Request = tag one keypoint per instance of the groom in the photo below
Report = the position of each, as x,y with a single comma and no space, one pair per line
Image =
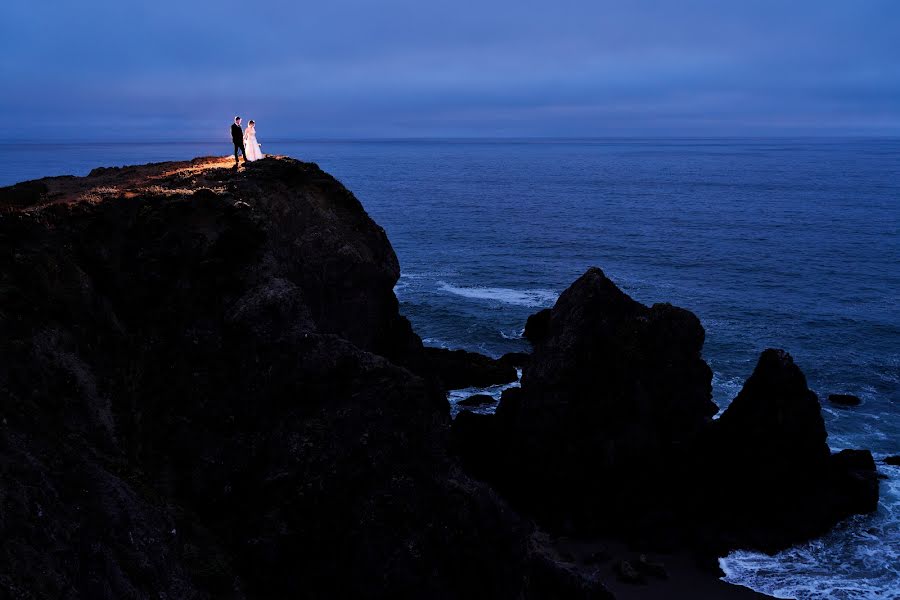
237,136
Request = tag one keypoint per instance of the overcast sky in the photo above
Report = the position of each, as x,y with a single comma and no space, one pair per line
124,69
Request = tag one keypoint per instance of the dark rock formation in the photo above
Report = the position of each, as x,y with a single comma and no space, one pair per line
844,399
458,369
22,195
596,557
611,432
771,443
537,326
651,568
626,573
618,364
515,359
610,395
477,400
775,419
893,460
205,395
552,579
208,392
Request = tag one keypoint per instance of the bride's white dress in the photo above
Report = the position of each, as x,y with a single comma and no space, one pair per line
251,145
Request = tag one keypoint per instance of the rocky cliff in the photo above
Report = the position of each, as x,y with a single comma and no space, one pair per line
208,392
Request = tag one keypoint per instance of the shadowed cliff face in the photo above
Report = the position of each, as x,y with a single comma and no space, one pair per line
202,397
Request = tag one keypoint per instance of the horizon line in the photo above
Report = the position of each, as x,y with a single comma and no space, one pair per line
402,139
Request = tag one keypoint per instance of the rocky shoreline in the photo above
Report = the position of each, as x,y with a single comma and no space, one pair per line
209,392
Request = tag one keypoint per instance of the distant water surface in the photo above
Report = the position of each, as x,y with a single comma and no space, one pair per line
771,242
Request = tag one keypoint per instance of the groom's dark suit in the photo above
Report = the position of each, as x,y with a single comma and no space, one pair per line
237,136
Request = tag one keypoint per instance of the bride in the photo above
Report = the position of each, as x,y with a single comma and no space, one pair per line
250,143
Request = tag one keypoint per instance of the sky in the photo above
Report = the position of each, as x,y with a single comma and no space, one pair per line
180,70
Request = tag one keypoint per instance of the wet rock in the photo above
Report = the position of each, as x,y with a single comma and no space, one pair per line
854,482
477,441
458,369
650,568
537,327
597,556
515,359
771,442
626,573
550,579
477,400
893,460
844,399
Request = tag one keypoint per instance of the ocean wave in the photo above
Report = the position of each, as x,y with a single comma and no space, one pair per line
428,274
858,560
494,391
725,389
532,298
515,334
413,283
437,343
399,287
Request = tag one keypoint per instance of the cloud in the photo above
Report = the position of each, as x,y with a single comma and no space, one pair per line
103,69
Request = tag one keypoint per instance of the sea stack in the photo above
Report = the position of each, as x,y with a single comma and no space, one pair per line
612,433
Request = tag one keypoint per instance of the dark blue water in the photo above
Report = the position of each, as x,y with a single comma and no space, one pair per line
771,242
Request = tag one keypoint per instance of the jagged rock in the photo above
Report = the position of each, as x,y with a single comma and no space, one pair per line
515,359
626,572
611,433
775,420
477,438
771,442
597,557
477,400
844,399
458,369
550,579
616,360
855,482
893,460
646,566
537,327
208,392
22,195
612,392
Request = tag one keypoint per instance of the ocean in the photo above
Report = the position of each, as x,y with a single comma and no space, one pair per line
787,243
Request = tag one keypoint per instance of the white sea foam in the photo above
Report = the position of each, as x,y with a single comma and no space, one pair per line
532,298
436,342
412,283
494,391
516,334
830,567
725,389
399,287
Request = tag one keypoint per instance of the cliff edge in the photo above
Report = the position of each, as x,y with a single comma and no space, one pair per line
207,393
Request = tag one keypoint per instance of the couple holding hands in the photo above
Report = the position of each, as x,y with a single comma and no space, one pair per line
245,141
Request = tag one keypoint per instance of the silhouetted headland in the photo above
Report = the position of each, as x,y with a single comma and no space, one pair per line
209,392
